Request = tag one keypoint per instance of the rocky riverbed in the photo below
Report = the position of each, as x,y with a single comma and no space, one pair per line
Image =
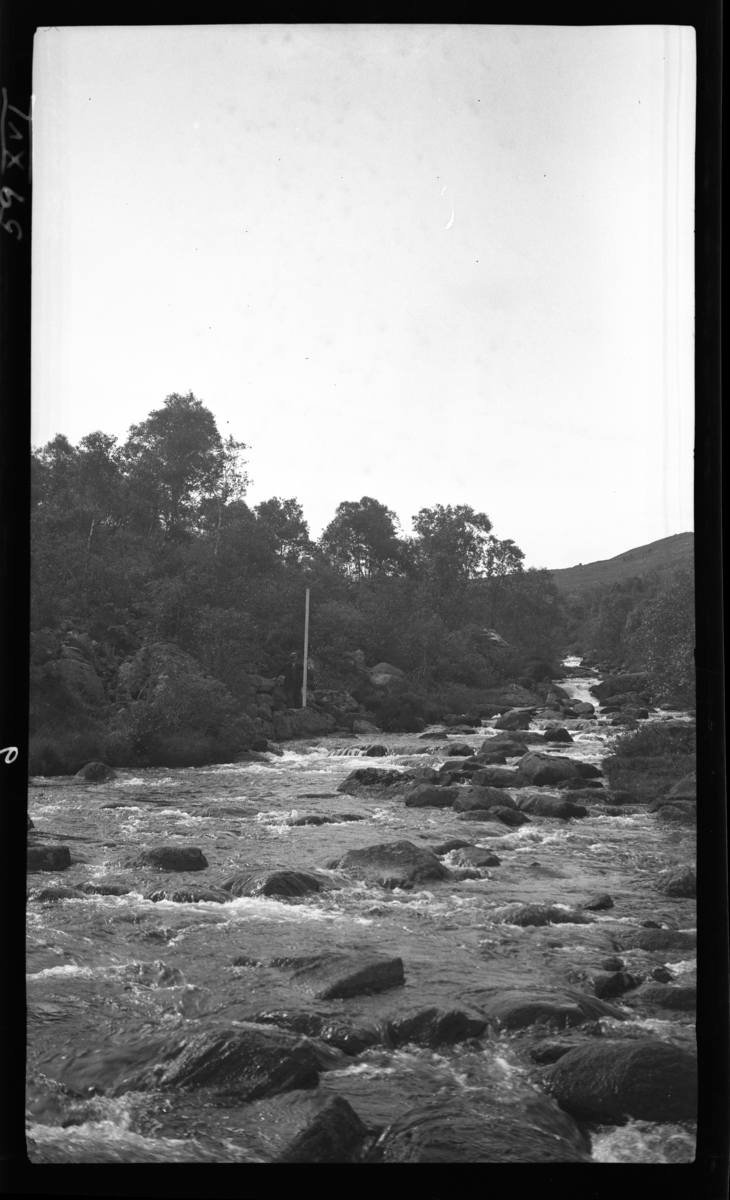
445,959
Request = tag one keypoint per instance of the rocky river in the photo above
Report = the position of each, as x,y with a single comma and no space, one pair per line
247,963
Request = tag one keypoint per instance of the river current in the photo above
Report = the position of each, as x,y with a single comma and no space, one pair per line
106,972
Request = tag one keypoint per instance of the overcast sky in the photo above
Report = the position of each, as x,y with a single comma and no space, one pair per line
428,264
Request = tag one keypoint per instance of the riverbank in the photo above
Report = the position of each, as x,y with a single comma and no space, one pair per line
527,943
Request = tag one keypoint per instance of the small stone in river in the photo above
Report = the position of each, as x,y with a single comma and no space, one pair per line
612,964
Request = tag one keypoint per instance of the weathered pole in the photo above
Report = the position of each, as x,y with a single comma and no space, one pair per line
306,650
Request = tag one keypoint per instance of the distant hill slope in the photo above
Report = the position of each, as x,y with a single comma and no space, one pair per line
668,554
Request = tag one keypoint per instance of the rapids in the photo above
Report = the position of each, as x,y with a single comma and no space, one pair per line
106,972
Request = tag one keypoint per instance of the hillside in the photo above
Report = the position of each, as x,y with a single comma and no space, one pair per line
668,554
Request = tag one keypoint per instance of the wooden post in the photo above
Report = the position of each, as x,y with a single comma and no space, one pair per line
306,650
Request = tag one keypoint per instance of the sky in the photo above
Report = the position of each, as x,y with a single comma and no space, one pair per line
439,264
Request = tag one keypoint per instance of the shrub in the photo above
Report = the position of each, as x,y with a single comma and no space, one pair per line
649,760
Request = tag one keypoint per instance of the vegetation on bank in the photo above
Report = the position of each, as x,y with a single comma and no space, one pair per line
649,760
151,543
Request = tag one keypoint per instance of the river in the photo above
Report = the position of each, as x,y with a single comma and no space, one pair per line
108,973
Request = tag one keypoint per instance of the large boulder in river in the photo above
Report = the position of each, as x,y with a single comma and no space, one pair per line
615,685
551,806
338,976
173,858
678,881
190,893
48,858
271,883
481,797
427,795
301,723
391,865
610,1080
541,769
368,781
244,1063
512,1008
518,718
454,1131
96,772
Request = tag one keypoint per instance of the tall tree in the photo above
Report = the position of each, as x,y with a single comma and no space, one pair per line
285,521
177,459
454,541
363,539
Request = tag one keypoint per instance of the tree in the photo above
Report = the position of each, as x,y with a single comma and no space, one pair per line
176,460
285,521
362,539
666,638
454,541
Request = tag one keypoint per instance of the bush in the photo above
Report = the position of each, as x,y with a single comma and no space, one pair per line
651,759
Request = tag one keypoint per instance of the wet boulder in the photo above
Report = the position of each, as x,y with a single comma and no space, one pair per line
480,797
511,1008
459,750
612,984
367,781
173,858
680,997
580,789
271,883
551,806
598,902
435,1027
310,1128
428,795
616,685
475,856
588,770
671,814
678,881
375,751
584,709
96,772
189,894
542,769
55,892
658,940
487,816
244,1063
518,718
538,914
48,858
350,1039
557,735
101,887
498,777
391,865
456,1132
338,976
510,816
612,1080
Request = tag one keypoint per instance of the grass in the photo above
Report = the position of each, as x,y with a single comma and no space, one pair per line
651,759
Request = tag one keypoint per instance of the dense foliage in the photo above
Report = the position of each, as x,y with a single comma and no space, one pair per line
645,622
156,534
